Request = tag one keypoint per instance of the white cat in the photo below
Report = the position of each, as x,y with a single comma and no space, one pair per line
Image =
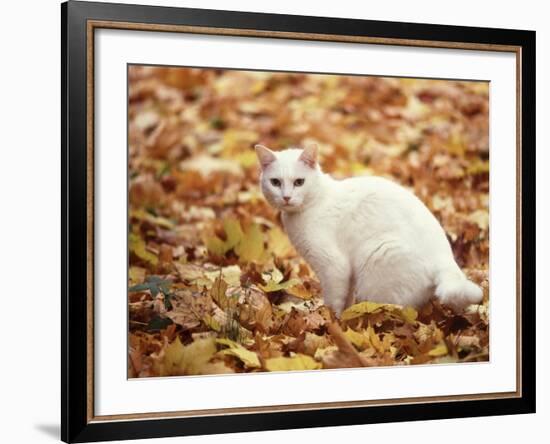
366,238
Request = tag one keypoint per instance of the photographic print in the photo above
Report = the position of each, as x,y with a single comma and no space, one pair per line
300,203
286,221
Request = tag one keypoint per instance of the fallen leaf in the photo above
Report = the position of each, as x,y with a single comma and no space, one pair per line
299,290
190,359
296,362
137,246
249,358
251,248
439,350
272,286
136,275
279,244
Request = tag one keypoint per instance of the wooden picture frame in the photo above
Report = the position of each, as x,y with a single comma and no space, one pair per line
80,20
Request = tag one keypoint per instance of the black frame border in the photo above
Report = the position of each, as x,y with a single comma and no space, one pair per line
75,424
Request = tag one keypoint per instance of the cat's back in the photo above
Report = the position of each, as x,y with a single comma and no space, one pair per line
369,185
374,192
381,205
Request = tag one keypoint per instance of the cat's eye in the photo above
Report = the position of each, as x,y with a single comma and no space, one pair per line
275,182
299,182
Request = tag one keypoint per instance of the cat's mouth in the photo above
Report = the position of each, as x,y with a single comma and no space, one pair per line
288,206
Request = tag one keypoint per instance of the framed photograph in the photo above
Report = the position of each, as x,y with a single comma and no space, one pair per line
275,221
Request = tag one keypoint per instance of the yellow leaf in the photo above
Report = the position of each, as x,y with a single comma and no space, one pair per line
358,168
273,286
439,350
457,145
299,291
251,248
247,159
409,314
478,167
212,323
249,358
215,246
258,86
374,339
356,338
362,308
296,362
279,244
234,140
138,247
218,292
136,275
234,233
248,246
188,360
230,274
227,342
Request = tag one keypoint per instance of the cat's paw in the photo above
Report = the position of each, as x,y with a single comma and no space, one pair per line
335,308
458,293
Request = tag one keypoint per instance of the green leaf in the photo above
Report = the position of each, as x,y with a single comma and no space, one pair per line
158,323
155,284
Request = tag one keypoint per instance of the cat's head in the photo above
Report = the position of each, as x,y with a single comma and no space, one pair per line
289,178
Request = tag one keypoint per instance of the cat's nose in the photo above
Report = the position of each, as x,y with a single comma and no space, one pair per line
286,198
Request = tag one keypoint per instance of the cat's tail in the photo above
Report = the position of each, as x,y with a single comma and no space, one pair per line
454,289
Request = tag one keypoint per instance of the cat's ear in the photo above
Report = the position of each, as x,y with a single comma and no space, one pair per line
309,155
265,156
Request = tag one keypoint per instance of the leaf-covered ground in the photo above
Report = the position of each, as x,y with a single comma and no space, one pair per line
214,284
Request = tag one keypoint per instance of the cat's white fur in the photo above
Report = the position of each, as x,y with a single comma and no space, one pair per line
366,238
